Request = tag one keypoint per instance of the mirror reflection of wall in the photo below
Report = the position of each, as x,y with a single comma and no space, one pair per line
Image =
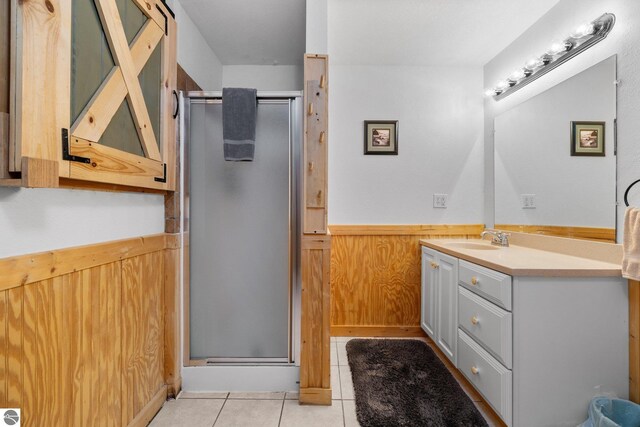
540,186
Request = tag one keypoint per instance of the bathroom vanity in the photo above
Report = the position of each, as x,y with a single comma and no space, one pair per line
539,327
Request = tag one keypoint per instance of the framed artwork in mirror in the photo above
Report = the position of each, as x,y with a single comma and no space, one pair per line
381,137
587,138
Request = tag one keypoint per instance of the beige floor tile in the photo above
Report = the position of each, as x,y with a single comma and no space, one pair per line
346,382
254,413
296,415
203,395
350,417
342,353
334,354
292,395
335,383
188,412
257,395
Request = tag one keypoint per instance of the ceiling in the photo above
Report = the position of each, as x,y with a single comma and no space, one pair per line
427,32
366,32
251,32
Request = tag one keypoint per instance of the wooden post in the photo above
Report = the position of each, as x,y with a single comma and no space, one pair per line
172,376
315,370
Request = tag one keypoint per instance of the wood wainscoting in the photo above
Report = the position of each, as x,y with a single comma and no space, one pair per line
82,333
375,276
588,233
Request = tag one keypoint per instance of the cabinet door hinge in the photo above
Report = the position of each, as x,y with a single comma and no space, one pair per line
164,178
65,150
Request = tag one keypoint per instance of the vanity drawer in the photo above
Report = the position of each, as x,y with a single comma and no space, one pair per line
490,284
488,376
487,323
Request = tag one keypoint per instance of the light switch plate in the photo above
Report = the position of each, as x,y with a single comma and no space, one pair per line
528,201
440,201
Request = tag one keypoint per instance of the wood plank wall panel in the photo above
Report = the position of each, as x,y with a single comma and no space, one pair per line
375,276
86,347
315,381
588,233
142,332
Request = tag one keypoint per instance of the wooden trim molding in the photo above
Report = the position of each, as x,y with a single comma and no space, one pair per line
431,230
587,233
25,269
377,331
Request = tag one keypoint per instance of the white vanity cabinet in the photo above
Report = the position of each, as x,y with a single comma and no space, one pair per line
439,305
538,345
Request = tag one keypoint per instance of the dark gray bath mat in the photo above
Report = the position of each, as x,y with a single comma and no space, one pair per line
403,383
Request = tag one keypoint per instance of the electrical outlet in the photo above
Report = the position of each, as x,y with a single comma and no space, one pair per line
439,200
528,201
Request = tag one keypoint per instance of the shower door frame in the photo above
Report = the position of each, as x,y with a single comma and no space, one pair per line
294,99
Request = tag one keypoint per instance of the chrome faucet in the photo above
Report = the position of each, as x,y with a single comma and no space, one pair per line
499,238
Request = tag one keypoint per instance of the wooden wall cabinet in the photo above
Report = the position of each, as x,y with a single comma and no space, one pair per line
86,72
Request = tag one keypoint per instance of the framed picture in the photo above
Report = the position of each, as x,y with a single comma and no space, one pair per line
381,137
587,138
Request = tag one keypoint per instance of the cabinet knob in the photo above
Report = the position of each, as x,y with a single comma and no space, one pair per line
474,370
475,320
434,265
474,280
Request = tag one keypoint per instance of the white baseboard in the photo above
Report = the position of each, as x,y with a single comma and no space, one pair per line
240,378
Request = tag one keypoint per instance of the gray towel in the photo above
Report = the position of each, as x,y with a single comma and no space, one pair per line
239,111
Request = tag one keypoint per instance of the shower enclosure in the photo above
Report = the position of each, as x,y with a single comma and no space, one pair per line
241,235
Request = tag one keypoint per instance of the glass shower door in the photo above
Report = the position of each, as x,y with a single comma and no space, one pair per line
240,239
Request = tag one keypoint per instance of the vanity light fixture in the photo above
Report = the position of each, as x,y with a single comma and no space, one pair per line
579,40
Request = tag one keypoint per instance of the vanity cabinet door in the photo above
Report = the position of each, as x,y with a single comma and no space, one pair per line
428,292
447,309
439,300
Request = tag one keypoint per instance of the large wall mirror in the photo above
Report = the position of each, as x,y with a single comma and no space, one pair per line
555,162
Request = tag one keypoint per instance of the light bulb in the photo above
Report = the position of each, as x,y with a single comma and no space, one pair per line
490,92
583,30
533,64
559,47
502,84
517,75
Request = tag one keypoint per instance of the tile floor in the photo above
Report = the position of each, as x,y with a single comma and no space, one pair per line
282,409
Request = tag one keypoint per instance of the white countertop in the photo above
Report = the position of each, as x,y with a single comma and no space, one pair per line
517,260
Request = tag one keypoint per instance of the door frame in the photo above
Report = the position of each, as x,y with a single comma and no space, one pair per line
294,99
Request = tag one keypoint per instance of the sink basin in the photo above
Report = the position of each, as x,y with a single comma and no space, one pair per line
474,246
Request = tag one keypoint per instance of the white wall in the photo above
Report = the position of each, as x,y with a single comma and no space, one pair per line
263,77
439,110
623,39
194,54
36,220
317,15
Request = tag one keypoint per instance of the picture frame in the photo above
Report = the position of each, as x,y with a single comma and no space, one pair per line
587,138
381,137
